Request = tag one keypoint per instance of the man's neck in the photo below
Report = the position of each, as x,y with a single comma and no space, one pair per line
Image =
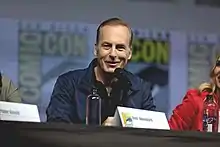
103,77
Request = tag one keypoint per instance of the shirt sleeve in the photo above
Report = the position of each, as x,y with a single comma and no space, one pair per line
60,107
183,115
9,91
148,100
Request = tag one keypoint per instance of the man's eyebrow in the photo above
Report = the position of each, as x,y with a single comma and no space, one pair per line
105,42
120,44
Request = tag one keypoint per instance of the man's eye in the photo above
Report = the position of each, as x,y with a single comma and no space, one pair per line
121,48
107,46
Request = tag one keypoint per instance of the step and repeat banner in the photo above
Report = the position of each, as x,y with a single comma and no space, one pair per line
150,61
46,50
202,52
34,54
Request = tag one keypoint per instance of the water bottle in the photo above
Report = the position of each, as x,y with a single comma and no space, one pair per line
93,108
210,115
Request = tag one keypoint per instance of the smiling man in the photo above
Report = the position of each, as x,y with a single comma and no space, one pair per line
113,49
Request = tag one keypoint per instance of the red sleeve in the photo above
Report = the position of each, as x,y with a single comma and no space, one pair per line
184,113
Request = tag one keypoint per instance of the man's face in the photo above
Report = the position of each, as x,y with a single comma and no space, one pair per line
113,48
216,77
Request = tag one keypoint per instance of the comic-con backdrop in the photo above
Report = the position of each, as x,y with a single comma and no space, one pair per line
33,54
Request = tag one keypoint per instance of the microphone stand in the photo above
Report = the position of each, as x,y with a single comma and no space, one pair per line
121,98
123,93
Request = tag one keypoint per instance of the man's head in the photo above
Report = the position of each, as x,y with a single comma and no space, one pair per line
113,44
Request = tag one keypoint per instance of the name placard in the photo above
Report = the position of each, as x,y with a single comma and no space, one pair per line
18,112
137,118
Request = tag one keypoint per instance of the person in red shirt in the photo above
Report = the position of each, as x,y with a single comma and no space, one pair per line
189,114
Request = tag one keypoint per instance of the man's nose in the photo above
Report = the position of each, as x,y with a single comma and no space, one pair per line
113,52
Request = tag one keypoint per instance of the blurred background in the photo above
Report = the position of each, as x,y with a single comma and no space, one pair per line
176,42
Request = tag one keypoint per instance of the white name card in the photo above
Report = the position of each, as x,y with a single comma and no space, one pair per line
137,118
18,112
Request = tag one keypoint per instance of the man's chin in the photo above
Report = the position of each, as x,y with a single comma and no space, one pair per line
110,70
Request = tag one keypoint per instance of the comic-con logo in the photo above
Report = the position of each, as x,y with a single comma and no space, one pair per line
127,119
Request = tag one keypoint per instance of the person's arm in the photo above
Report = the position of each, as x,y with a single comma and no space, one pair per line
148,102
10,91
184,113
60,108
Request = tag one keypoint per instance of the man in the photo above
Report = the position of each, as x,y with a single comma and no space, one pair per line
113,49
8,91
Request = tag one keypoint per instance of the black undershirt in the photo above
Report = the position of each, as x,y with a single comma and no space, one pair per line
109,101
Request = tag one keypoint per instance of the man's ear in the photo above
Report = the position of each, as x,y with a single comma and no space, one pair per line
130,53
95,50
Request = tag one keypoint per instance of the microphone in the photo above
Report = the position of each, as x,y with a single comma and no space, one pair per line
121,75
123,82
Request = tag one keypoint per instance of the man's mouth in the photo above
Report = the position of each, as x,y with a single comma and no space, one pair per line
111,63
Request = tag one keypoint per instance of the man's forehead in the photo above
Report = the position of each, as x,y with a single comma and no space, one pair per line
114,29
114,34
114,26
